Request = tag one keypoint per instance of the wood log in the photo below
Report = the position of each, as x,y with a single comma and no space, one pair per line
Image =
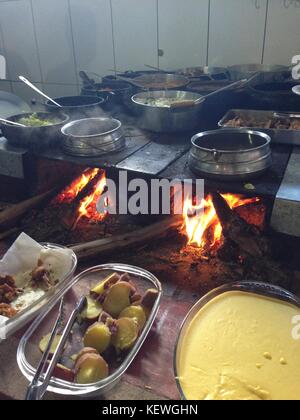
253,247
11,215
126,241
248,237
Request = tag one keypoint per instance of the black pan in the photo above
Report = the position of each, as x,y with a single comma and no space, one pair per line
76,104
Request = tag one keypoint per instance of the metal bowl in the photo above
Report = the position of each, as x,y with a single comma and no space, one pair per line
230,154
35,137
93,137
164,119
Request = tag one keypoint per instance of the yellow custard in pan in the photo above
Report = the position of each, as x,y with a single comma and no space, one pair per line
240,346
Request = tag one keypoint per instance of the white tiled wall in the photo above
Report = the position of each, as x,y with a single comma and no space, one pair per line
49,41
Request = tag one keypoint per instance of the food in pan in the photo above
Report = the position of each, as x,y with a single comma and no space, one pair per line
110,326
161,102
240,346
267,123
27,272
34,120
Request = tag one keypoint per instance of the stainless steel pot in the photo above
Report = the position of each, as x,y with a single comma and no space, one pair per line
230,154
162,119
93,137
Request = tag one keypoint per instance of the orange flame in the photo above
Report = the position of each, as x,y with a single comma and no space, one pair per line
87,206
201,223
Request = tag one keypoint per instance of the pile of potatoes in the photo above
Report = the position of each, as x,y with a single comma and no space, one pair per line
117,314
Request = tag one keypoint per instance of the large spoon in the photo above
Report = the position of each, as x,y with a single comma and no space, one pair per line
12,123
24,80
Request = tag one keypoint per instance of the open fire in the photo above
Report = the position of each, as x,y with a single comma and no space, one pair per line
84,193
204,229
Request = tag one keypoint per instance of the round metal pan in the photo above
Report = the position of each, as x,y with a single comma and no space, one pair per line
93,137
230,154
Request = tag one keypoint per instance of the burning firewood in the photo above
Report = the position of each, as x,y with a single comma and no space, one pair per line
250,245
248,237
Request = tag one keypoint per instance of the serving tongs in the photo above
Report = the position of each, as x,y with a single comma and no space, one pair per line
43,375
285,115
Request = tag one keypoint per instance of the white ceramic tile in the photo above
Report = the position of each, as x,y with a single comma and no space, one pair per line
183,31
19,40
135,33
236,31
58,90
26,93
283,32
54,38
5,85
92,32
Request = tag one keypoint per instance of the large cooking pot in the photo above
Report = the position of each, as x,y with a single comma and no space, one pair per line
230,154
76,105
35,137
205,73
270,95
93,137
162,119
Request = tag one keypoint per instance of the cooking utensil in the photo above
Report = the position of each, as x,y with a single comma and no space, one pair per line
296,90
40,383
285,115
34,137
24,80
93,137
156,68
81,285
205,73
281,136
230,154
182,115
157,81
238,72
12,123
167,119
77,105
86,80
33,391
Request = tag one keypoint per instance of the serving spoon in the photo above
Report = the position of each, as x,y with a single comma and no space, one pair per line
28,83
12,123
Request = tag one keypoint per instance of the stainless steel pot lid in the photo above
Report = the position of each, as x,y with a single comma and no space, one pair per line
91,127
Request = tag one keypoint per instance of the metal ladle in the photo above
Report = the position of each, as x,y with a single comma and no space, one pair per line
24,80
12,123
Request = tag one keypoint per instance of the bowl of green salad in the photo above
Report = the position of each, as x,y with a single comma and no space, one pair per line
38,130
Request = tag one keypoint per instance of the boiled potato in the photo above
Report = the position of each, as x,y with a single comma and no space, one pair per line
97,336
135,312
92,311
90,368
117,299
127,334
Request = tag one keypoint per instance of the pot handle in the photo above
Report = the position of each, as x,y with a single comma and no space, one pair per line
216,155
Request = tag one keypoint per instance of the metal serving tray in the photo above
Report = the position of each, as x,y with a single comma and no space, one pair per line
289,137
28,354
